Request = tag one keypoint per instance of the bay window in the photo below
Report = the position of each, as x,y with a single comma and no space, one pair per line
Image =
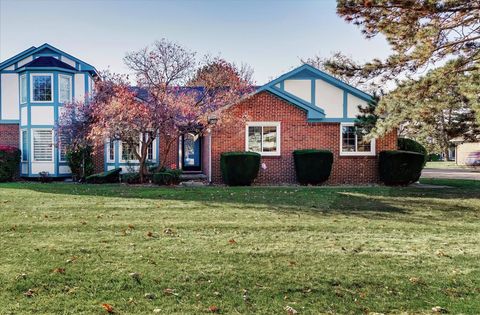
263,138
23,89
64,88
42,145
353,141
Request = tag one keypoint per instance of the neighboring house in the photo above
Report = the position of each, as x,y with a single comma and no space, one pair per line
463,149
302,109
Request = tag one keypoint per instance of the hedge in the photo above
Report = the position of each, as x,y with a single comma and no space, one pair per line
400,167
405,144
167,177
112,176
9,163
239,168
312,166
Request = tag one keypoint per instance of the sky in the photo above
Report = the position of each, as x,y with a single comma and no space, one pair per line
270,36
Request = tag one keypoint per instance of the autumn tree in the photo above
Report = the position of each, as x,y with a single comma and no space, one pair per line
186,92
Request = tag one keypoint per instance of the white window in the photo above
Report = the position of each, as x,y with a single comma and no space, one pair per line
353,142
41,88
23,89
263,138
24,145
127,152
42,145
111,150
65,88
63,143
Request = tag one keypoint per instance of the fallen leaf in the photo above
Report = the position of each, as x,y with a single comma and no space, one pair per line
29,293
213,309
232,241
439,310
290,310
150,234
59,270
135,276
169,291
168,231
131,226
107,307
150,296
157,310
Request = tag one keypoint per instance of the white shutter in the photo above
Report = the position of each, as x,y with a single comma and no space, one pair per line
43,145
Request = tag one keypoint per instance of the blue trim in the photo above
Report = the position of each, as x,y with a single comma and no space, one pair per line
312,91
9,121
32,51
43,69
333,120
345,104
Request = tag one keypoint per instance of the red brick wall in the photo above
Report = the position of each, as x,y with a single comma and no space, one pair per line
296,133
10,135
99,159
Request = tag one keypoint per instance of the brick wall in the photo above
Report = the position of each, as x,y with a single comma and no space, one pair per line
296,133
10,135
98,159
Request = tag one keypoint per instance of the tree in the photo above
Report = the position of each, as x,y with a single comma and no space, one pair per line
420,33
432,110
186,93
323,63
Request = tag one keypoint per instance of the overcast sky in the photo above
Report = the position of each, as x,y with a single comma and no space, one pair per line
270,36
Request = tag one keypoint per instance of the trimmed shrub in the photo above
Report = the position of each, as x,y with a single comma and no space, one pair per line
400,167
130,178
79,161
434,157
9,163
167,177
112,176
405,144
312,166
239,168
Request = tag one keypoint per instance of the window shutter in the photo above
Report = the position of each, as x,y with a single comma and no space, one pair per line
42,145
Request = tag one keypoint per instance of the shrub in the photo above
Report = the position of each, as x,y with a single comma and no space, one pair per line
106,177
312,166
130,178
80,162
239,168
9,163
400,167
434,157
405,144
167,177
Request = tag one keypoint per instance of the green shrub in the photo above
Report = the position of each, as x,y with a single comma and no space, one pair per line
405,144
9,163
434,157
80,162
312,166
167,177
400,167
112,176
130,178
239,168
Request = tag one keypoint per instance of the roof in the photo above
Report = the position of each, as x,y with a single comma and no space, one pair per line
32,51
42,62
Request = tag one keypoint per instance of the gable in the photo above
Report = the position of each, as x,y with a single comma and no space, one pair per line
45,50
324,97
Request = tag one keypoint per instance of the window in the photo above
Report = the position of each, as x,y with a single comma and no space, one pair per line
127,152
63,142
24,145
65,88
42,145
150,151
111,150
42,88
23,89
353,141
263,137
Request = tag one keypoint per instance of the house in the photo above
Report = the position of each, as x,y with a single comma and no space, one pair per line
462,150
302,109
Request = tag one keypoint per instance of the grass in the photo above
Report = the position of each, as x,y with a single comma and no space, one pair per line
445,165
318,250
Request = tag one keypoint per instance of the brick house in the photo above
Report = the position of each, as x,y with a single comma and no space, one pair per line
302,109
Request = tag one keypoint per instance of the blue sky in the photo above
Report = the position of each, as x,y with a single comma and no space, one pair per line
271,36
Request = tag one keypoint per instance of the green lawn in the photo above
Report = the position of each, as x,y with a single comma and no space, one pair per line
317,250
444,164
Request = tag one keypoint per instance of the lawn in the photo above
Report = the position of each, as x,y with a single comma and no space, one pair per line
68,249
445,164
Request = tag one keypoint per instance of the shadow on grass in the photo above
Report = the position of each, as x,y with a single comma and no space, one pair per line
370,202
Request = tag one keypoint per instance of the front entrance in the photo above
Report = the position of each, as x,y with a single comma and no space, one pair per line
191,152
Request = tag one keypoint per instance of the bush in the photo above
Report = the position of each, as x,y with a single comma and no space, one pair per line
239,168
130,178
76,160
112,176
400,167
312,166
405,144
167,177
9,163
434,157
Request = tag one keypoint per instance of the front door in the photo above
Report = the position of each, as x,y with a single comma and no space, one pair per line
191,152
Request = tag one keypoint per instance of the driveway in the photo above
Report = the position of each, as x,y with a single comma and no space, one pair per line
450,173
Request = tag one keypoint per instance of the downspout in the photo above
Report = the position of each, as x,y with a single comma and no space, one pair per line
210,157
